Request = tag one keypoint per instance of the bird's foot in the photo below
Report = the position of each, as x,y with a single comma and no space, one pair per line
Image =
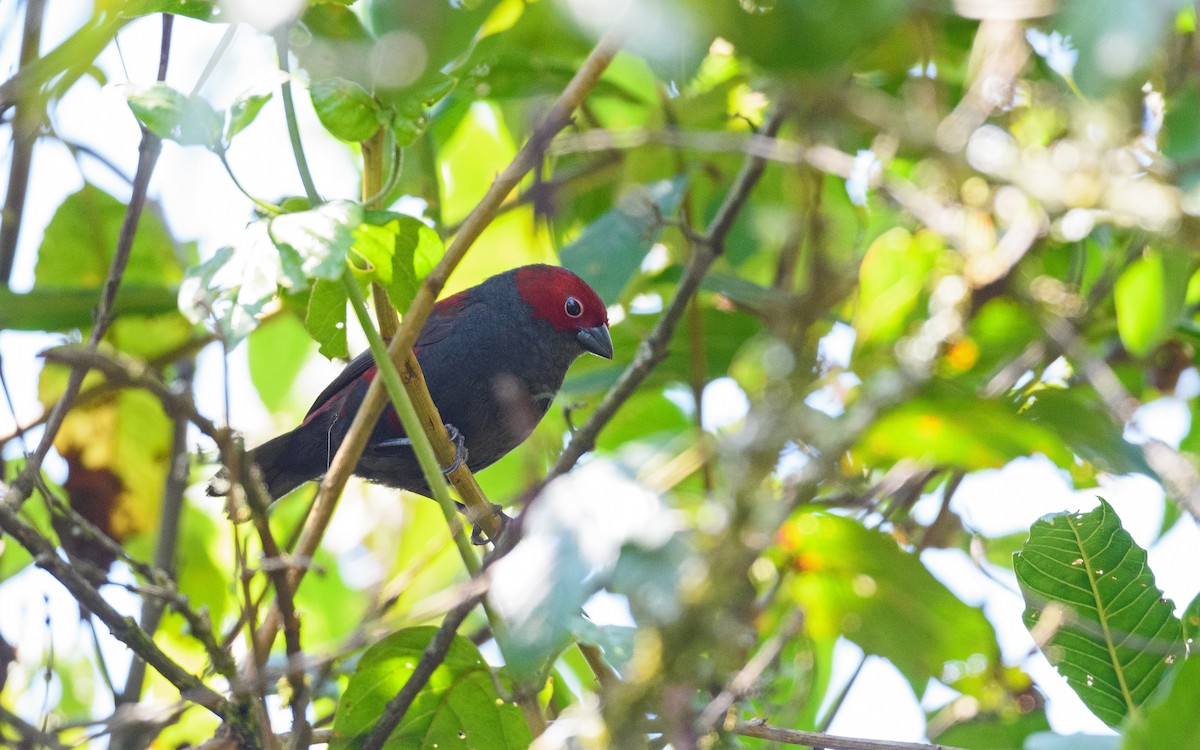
456,437
460,449
478,538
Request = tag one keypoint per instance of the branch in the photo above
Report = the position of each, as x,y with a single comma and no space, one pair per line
764,731
165,551
431,658
743,682
654,348
148,151
368,414
1178,474
258,500
289,111
26,121
123,628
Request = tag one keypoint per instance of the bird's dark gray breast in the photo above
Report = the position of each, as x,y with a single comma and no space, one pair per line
496,374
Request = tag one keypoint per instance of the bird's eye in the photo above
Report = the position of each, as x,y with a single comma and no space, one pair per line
573,307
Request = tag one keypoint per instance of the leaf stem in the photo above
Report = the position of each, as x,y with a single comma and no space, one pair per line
421,446
293,125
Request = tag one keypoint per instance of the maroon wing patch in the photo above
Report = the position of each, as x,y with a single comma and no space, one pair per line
437,327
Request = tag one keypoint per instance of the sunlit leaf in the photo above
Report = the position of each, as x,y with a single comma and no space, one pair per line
894,273
170,114
346,109
314,243
79,244
231,288
949,429
117,452
275,353
458,707
1149,297
1169,718
858,583
326,318
243,111
1092,604
391,243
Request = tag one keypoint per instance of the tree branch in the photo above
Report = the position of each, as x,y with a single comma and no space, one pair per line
431,658
26,122
653,348
148,151
762,730
368,414
123,628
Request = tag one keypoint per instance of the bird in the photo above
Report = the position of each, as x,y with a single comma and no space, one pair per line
494,357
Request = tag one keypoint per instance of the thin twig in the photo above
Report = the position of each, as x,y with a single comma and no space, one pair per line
148,151
430,660
123,628
743,682
258,500
653,348
762,730
372,406
25,124
165,550
293,125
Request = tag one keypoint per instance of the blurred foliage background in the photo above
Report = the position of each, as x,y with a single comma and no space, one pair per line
936,244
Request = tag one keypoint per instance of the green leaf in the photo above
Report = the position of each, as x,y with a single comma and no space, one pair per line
1191,623
170,114
347,110
858,583
1149,296
1051,741
390,243
231,288
610,250
276,352
326,318
314,243
242,112
1079,418
995,732
804,34
13,557
892,277
459,707
946,429
590,529
1092,603
1170,718
50,309
80,241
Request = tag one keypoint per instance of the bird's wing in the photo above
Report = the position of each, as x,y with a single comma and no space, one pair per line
358,367
446,314
437,327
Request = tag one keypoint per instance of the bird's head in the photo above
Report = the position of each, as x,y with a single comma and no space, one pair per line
567,303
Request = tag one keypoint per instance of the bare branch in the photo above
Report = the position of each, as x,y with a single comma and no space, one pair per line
148,151
760,729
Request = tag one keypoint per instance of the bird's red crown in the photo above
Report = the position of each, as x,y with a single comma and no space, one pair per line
560,297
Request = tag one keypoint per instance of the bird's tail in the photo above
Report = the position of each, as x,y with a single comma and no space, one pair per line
277,460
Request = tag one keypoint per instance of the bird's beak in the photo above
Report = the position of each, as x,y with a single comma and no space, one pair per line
596,340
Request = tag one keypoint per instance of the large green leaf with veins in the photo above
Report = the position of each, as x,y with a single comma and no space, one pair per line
1092,606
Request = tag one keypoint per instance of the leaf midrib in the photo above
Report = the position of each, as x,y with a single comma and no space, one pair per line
1101,613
